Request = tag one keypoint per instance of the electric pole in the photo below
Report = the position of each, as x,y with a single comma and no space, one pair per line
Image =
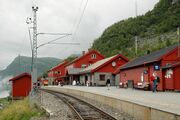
136,37
34,48
136,45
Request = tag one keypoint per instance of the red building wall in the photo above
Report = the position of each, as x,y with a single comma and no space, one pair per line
58,71
170,83
86,60
177,78
134,74
21,87
109,68
171,58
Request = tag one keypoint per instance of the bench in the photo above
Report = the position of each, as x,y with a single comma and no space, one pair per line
142,86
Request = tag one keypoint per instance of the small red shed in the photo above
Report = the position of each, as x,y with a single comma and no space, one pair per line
21,85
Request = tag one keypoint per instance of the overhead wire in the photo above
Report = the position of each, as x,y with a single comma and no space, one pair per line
80,19
76,17
51,41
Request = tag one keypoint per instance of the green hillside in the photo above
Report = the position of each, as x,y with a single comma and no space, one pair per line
23,64
156,29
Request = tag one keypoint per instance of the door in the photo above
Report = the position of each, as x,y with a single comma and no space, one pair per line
168,78
177,78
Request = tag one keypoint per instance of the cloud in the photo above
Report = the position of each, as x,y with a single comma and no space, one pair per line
60,16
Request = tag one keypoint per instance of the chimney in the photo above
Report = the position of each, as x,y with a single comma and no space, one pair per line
89,49
83,52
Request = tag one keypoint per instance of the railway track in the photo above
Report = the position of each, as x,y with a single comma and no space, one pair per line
82,109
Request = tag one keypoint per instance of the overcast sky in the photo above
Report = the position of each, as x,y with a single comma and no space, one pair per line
60,16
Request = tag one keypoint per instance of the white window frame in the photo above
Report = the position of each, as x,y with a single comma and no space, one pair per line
93,56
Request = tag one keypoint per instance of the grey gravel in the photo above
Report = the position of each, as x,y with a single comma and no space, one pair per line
108,109
60,111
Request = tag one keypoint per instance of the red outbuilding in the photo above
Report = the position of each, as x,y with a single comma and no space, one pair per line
21,85
171,74
99,72
141,69
73,68
57,73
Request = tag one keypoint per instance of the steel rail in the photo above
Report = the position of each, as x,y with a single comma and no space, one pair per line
73,108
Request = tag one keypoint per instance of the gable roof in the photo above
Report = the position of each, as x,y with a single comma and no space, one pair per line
20,76
74,71
60,64
82,56
149,58
101,63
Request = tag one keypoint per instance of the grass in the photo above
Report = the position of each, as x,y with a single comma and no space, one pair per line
4,101
20,110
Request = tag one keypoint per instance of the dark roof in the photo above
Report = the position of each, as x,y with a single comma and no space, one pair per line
155,56
176,64
20,76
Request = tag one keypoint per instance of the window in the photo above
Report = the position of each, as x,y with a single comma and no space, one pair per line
93,56
59,72
102,77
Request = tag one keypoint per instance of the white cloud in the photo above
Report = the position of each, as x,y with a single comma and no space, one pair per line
59,16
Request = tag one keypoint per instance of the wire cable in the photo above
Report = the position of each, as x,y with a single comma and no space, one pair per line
80,18
67,43
76,17
53,34
53,40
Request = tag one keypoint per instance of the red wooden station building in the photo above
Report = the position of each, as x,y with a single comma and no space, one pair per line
21,85
57,74
99,72
87,59
165,62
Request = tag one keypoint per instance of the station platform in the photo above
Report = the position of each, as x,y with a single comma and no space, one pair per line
165,101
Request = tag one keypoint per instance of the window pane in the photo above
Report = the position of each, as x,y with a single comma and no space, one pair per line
102,77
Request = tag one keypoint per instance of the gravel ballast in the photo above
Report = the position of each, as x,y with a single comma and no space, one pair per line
58,110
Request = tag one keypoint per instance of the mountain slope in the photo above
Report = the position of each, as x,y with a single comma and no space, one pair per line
119,38
23,64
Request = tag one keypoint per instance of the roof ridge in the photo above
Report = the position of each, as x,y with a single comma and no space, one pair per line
156,55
